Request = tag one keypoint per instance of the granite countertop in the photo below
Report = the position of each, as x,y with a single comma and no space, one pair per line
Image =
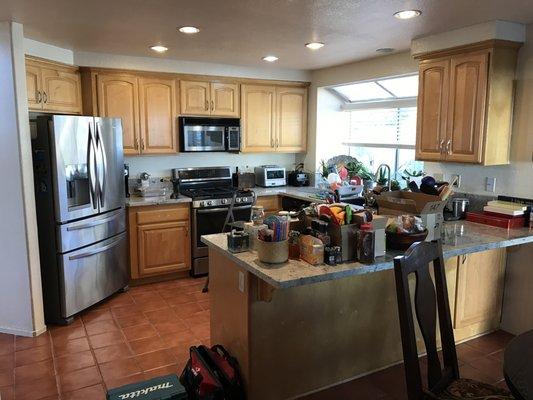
462,237
138,201
307,193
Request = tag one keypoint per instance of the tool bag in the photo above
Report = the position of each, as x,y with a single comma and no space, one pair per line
212,374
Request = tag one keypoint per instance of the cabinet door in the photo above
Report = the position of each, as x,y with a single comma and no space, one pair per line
33,87
195,97
225,99
291,119
431,112
61,90
466,111
480,281
257,118
118,97
163,248
157,101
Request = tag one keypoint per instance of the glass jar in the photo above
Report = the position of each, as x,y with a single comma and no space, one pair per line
258,215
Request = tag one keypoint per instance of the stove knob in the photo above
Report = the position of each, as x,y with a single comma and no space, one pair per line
209,202
201,204
224,201
238,200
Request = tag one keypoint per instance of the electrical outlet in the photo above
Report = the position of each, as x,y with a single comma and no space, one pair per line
490,185
457,183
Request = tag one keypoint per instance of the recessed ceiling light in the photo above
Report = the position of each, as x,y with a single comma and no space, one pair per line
407,14
189,29
314,45
270,58
385,50
159,49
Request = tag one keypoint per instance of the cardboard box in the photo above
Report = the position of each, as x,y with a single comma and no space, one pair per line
399,202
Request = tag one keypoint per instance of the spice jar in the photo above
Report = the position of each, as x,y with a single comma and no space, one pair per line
258,215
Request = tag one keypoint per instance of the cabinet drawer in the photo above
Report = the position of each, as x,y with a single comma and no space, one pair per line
269,203
163,215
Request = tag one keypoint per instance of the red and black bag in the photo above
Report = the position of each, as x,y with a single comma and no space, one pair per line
212,374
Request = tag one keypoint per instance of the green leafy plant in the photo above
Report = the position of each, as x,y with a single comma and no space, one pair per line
324,168
357,168
407,175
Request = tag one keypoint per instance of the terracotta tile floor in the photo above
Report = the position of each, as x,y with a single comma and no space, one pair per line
147,332
132,336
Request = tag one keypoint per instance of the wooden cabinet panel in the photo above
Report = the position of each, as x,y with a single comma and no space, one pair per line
157,102
163,248
271,204
156,215
33,87
225,99
431,112
291,116
480,282
257,119
466,115
118,97
61,90
195,98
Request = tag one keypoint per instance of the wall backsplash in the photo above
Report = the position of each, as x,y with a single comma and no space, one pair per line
161,165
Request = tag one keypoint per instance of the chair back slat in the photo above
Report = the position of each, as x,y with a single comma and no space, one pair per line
428,298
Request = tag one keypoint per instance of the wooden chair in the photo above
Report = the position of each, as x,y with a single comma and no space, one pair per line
443,381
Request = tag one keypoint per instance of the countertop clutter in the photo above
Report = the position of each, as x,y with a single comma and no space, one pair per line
461,237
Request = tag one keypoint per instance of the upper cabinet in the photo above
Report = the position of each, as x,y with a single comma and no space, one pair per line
465,103
52,87
209,98
274,118
146,104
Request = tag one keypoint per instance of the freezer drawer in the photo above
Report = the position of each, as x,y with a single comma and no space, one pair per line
93,273
82,233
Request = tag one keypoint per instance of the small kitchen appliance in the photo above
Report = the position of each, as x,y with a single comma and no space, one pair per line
200,134
270,176
298,177
211,190
243,180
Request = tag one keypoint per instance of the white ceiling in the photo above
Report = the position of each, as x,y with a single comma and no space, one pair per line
240,32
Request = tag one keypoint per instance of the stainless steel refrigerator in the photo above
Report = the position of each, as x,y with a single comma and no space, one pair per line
79,189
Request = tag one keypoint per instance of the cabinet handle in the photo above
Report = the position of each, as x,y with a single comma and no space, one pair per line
207,105
277,143
272,142
464,259
449,147
45,97
39,96
142,143
441,146
212,105
186,231
136,144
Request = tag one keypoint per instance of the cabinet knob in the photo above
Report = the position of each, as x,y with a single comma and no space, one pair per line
207,105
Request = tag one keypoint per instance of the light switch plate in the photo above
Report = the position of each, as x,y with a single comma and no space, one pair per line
490,184
241,281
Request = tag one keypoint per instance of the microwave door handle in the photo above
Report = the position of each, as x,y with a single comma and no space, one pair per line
91,168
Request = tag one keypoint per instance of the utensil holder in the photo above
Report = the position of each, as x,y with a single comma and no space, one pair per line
272,252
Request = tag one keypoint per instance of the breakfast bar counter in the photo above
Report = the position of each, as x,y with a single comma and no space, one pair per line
297,328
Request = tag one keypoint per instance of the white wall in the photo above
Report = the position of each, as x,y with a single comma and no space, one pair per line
517,178
332,124
21,310
160,166
48,51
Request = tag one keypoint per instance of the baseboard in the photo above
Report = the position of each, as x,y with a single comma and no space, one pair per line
22,332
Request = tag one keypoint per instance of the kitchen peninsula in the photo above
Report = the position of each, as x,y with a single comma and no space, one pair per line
297,328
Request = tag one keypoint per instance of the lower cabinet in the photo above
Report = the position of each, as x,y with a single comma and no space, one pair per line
160,241
475,287
271,204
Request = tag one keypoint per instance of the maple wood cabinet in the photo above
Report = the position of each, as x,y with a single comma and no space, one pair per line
209,98
271,204
53,87
160,241
274,118
465,103
147,105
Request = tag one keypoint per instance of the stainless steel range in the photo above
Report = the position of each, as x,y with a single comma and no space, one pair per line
211,190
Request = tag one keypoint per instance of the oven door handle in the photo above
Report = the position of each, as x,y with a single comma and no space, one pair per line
219,209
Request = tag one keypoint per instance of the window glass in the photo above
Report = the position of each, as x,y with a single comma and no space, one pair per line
363,91
406,86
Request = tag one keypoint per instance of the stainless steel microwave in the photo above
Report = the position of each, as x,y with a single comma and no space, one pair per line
209,134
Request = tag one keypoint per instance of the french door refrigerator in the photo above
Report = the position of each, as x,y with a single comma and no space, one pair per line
79,189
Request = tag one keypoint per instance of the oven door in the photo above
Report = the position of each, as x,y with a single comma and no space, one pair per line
204,138
211,220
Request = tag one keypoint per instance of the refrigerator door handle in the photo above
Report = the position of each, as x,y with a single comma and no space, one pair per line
103,165
91,168
98,250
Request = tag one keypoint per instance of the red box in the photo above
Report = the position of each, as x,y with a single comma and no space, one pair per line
492,220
